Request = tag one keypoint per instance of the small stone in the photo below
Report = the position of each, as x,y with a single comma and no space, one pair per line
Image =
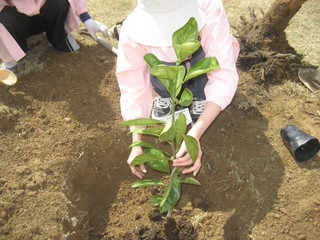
23,134
275,215
31,193
67,120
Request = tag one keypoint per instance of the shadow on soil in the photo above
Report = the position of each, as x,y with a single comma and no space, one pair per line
93,183
241,173
241,169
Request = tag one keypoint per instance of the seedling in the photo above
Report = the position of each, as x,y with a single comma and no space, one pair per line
185,42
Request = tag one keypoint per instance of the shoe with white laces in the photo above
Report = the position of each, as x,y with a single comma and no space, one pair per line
196,108
162,108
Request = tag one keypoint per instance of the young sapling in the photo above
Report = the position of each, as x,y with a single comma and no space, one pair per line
185,42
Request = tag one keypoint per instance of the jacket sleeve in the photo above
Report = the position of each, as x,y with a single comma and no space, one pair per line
2,4
78,6
218,42
134,79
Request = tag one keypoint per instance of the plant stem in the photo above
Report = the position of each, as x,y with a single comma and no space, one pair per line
169,214
173,120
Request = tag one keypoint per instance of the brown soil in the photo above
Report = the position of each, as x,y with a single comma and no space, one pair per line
63,160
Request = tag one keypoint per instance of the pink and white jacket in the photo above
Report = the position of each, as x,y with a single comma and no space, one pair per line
216,40
9,48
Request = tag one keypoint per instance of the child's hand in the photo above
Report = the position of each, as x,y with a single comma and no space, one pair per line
183,159
138,170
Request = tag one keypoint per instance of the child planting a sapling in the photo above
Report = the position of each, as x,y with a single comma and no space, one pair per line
149,30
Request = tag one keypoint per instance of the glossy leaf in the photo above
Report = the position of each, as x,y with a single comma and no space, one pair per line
156,200
166,75
158,165
161,166
155,131
146,157
179,80
181,126
156,151
190,180
142,144
186,98
171,195
205,65
192,146
185,40
187,33
141,121
165,71
151,60
186,49
145,183
168,133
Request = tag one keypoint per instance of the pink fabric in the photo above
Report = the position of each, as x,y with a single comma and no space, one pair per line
7,54
9,49
134,77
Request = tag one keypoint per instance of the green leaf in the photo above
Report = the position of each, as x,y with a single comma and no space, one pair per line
185,40
141,122
151,60
186,97
164,71
168,133
157,151
187,33
179,80
142,144
146,157
155,131
145,183
205,65
192,146
185,50
161,166
171,195
181,126
190,180
156,200
166,75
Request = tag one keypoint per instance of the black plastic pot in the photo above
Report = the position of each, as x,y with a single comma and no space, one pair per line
300,144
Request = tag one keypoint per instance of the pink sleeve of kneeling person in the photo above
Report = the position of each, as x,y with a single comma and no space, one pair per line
134,79
79,6
217,41
2,4
9,48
